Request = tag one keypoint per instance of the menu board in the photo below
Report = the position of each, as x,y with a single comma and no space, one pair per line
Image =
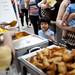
7,13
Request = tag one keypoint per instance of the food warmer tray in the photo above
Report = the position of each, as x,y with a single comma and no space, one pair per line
30,67
26,43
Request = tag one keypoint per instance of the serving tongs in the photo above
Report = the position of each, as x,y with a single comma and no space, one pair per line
60,43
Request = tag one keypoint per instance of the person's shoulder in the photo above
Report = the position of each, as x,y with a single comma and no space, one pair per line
50,31
40,31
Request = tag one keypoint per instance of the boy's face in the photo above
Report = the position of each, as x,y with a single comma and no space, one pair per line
44,26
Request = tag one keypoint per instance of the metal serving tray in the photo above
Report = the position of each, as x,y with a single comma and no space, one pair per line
26,43
30,67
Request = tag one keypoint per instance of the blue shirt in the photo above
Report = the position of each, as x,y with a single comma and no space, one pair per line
42,33
71,9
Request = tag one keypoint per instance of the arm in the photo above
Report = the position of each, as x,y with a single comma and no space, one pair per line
50,35
27,3
71,16
65,17
60,15
8,40
51,38
62,9
43,4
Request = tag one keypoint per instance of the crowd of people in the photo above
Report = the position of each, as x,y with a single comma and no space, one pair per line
41,12
65,22
33,10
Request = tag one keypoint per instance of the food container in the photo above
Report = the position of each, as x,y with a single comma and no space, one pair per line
23,45
19,35
33,70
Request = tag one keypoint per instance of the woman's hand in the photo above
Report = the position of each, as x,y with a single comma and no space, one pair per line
44,6
71,16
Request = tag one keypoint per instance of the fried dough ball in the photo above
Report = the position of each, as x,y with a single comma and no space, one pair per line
62,67
45,62
71,72
73,52
50,72
52,66
67,57
40,55
55,59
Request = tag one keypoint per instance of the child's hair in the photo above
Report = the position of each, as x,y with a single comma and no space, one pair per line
72,1
45,19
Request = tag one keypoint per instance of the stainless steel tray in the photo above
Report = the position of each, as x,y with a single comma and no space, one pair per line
27,41
31,67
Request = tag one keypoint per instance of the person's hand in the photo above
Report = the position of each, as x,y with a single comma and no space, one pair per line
44,6
9,33
71,16
64,23
21,14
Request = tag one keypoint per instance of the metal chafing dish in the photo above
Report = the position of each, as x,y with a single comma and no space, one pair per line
30,67
24,44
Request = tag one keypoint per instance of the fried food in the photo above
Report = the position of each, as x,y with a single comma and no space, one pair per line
21,34
73,52
67,57
52,66
45,62
55,61
62,67
50,72
71,72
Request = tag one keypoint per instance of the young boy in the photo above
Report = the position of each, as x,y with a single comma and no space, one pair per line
65,20
45,31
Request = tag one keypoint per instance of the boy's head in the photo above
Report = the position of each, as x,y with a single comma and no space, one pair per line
44,23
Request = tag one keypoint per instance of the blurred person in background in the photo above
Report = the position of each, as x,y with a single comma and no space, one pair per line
65,21
13,3
49,8
23,12
70,36
33,10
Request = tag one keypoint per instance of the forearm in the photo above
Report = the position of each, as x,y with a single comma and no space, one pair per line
51,38
72,29
71,16
42,4
8,41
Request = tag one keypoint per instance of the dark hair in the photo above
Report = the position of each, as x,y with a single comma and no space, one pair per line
72,1
45,19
